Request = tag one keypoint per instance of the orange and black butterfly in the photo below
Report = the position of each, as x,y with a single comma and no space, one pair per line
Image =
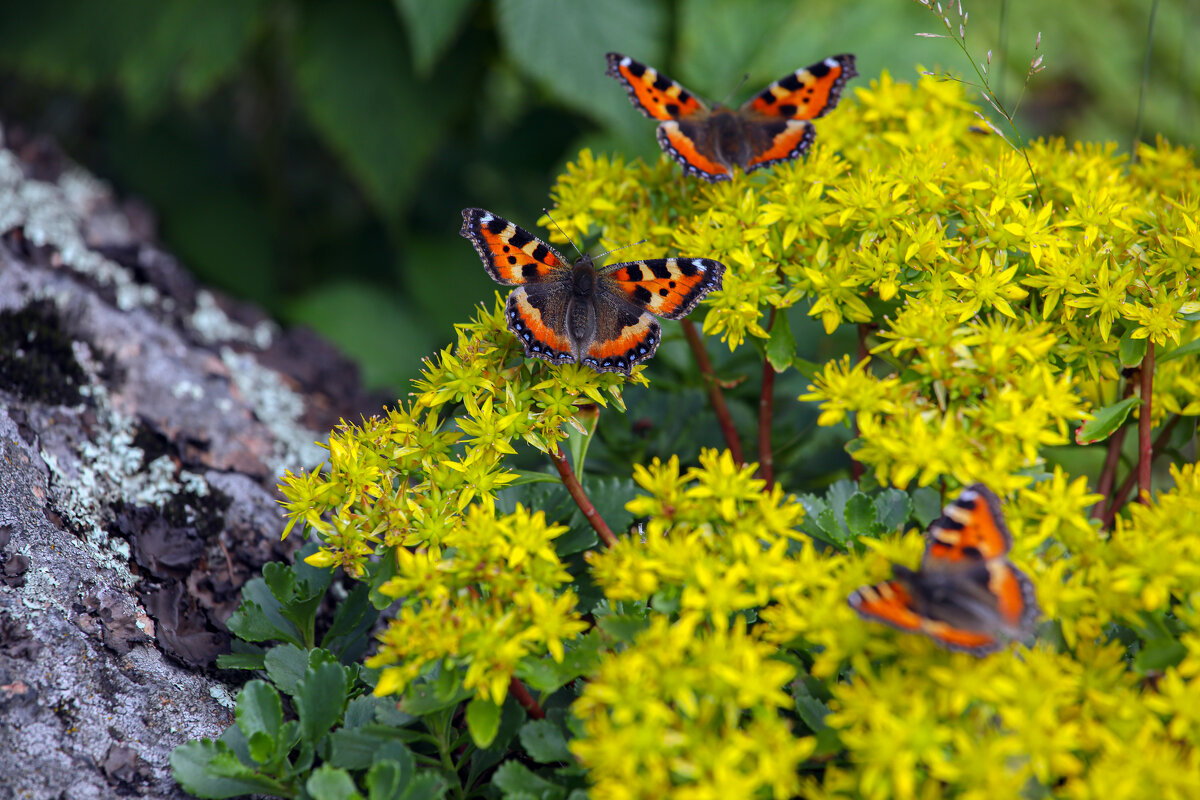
602,317
769,127
966,595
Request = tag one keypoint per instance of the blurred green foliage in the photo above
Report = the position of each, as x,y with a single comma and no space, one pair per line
313,156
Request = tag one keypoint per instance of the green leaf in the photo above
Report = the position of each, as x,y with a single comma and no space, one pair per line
286,665
781,347
545,742
281,580
1105,421
259,712
1189,349
526,476
483,721
546,675
1159,654
347,634
208,769
860,515
623,627
425,786
241,660
424,698
254,623
431,27
356,85
513,777
893,508
1131,350
562,46
927,505
320,700
331,783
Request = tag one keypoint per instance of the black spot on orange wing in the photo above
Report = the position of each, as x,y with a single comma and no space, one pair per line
656,95
511,255
971,527
807,93
773,140
668,287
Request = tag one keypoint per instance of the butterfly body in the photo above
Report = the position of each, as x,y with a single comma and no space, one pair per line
602,317
772,126
966,595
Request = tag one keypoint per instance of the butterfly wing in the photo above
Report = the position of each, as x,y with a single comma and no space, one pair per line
511,255
667,287
972,527
807,93
536,314
774,140
902,603
624,336
653,93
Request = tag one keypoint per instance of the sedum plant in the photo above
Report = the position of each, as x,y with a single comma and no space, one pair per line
573,607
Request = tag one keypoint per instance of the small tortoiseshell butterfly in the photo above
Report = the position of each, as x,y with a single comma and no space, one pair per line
966,594
601,317
772,126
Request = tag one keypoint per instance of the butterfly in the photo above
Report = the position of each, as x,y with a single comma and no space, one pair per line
966,595
772,126
599,316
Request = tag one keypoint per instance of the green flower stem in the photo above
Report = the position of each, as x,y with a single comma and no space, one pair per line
525,699
1145,448
714,391
1126,487
580,497
766,398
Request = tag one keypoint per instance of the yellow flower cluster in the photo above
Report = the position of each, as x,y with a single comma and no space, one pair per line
690,711
418,486
481,607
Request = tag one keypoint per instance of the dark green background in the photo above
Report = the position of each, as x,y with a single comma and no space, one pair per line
314,156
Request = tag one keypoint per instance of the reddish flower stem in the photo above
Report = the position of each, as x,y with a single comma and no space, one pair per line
1145,448
525,698
563,464
714,391
766,401
1108,474
1164,436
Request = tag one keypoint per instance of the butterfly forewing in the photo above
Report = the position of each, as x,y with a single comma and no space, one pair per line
666,287
807,93
512,255
651,92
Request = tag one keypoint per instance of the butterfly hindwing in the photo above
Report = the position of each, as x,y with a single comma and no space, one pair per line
625,336
772,141
653,93
535,315
807,93
666,287
511,255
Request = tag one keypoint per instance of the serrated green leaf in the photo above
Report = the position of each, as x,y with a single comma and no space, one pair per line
927,505
431,27
281,581
545,741
892,509
423,698
562,46
828,522
259,711
513,777
483,720
330,783
547,675
1105,422
208,769
241,660
347,634
253,623
286,665
1189,349
781,346
320,699
425,786
860,515
355,748
623,627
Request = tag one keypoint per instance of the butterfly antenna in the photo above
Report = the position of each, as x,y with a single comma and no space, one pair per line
737,88
615,249
546,211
